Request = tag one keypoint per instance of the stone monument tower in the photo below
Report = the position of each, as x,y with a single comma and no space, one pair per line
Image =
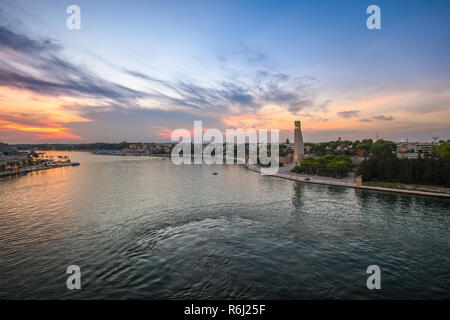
299,149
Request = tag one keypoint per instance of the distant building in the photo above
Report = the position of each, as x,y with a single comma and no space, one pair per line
424,146
7,149
407,155
402,148
10,158
415,147
342,148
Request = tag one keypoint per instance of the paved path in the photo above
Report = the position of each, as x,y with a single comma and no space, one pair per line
11,172
285,173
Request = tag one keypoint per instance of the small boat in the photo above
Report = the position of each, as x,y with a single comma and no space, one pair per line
74,164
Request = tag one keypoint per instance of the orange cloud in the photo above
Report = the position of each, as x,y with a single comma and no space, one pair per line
270,117
42,117
53,131
275,117
167,133
377,102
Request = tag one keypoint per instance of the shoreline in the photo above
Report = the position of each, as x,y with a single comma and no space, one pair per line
333,182
135,154
34,168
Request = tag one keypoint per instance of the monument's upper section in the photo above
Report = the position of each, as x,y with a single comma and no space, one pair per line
299,152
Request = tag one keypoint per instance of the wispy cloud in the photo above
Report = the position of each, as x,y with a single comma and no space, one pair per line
238,96
384,118
59,77
41,126
38,66
348,114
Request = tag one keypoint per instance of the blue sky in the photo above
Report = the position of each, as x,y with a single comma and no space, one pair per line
158,65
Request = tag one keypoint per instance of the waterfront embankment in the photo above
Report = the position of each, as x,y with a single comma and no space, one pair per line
349,183
34,168
121,153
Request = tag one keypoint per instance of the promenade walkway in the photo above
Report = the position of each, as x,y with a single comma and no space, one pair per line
34,168
349,182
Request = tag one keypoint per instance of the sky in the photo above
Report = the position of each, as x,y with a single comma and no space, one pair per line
138,70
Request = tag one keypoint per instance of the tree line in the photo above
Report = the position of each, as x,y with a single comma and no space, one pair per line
384,165
329,165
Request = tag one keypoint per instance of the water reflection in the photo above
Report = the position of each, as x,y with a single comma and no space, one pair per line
336,191
298,195
143,228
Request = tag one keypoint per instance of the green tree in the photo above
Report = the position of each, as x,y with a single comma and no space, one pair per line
328,165
441,151
383,148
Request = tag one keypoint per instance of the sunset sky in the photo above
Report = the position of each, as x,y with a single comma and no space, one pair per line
137,70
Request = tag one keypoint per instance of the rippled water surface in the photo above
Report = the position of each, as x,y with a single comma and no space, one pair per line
141,227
